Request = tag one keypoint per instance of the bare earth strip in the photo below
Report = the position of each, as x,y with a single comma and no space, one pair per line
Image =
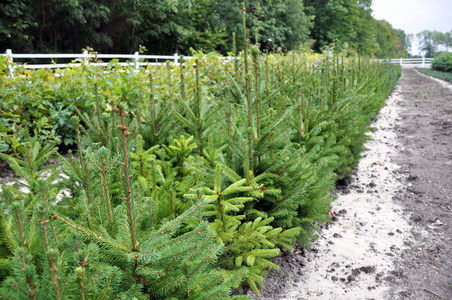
426,162
387,240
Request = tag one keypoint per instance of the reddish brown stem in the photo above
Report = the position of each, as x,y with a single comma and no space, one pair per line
125,133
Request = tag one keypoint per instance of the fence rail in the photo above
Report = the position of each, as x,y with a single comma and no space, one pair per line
137,60
409,62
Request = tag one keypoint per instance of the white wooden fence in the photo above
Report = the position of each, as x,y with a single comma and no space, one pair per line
421,62
137,60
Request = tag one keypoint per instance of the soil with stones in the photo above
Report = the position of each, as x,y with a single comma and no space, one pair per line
391,233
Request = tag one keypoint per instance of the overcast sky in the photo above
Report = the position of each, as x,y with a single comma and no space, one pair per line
414,16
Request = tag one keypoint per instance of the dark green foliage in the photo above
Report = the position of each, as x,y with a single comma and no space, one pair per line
168,27
164,27
349,23
443,62
441,75
391,42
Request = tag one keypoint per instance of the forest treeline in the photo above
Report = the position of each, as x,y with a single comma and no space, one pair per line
169,26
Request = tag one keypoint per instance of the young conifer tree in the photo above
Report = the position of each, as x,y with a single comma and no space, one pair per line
107,244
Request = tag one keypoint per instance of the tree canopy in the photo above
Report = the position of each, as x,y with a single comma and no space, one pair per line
434,42
169,26
351,22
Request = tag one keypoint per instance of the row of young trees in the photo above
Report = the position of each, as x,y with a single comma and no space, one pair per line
166,27
187,178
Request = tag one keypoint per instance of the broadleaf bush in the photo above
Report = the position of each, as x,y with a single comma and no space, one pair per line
443,62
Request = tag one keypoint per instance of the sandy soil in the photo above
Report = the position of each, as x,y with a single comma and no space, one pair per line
391,236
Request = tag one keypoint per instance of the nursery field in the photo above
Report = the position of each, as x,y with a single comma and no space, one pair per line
175,181
390,234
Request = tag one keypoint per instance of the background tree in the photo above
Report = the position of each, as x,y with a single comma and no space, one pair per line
166,27
442,40
351,22
448,40
390,41
16,23
328,15
434,42
409,38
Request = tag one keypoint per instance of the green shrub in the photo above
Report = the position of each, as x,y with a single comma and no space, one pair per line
4,62
443,62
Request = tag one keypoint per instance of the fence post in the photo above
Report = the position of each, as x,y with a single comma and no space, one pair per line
85,56
423,62
401,61
176,58
136,54
9,52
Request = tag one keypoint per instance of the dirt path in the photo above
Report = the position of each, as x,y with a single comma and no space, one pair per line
391,237
426,163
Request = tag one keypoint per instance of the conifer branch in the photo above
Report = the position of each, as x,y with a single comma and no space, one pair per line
83,161
127,176
228,119
107,289
184,237
211,257
255,53
151,96
82,286
44,227
327,181
213,283
105,190
170,82
28,280
21,229
30,163
54,270
174,223
91,235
